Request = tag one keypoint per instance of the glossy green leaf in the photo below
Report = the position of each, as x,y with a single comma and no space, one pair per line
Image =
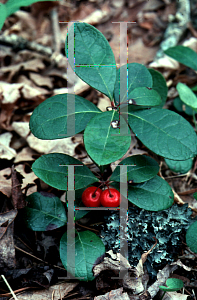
184,55
182,107
186,95
44,211
191,237
3,14
138,76
140,168
159,85
144,96
52,170
100,144
195,195
49,119
194,88
94,59
152,195
173,284
179,166
88,248
164,132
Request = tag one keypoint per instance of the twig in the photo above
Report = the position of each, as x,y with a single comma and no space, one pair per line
56,30
37,258
9,287
17,42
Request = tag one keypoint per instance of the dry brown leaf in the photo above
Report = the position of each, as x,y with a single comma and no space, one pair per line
5,184
22,128
26,154
165,62
55,292
31,65
7,250
49,146
41,80
5,151
10,92
18,199
28,177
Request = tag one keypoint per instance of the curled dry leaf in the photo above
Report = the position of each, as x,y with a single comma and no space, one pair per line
6,152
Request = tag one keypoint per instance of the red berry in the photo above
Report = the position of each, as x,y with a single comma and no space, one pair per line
110,201
91,200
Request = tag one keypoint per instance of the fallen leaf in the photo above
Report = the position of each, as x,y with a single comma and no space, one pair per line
5,184
5,151
7,250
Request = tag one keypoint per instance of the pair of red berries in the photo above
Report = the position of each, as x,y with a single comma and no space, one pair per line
95,197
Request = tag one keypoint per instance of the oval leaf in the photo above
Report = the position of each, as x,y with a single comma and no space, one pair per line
102,146
94,59
137,76
88,248
182,107
179,166
3,14
44,212
159,85
186,95
144,96
164,132
191,237
52,169
184,55
152,195
140,168
49,119
173,284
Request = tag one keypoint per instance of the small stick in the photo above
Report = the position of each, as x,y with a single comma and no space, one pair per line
9,287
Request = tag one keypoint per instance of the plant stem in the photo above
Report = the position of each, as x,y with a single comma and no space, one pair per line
194,118
110,194
94,194
163,295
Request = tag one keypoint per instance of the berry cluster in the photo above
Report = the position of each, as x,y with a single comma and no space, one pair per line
95,197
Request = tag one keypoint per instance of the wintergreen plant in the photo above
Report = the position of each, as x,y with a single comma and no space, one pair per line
173,284
164,132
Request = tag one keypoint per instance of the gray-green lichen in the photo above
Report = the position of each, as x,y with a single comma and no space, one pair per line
168,226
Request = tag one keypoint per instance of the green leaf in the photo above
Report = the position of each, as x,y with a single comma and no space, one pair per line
13,5
194,88
159,85
191,237
49,119
195,195
184,55
179,166
164,132
140,168
52,170
44,212
100,144
94,59
144,96
173,284
3,14
186,95
153,195
137,76
88,248
182,107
